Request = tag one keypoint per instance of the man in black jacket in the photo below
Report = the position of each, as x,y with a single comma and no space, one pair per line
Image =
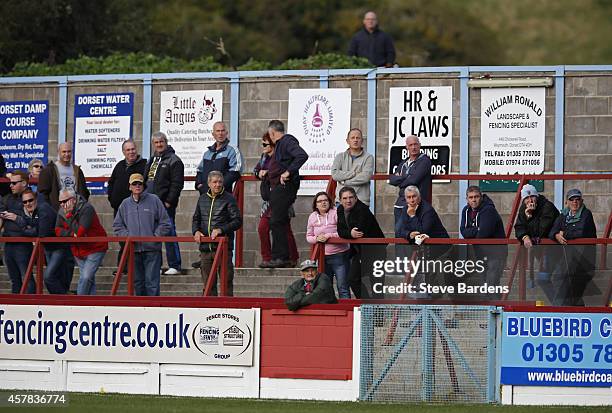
355,220
216,214
290,157
164,177
118,185
372,43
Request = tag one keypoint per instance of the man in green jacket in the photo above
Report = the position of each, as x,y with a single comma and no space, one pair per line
313,288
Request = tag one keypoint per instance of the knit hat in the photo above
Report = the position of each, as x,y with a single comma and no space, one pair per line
528,190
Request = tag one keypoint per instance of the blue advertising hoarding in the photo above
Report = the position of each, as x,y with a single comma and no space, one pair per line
101,123
557,349
24,132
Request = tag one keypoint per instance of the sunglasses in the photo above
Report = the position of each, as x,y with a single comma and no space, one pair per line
36,166
265,145
28,201
15,182
136,183
64,201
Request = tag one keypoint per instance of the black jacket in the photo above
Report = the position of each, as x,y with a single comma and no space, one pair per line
417,174
118,183
540,223
377,47
12,203
219,212
41,224
486,224
290,155
322,293
169,177
425,221
572,229
359,217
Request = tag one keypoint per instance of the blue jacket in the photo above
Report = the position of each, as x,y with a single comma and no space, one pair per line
377,47
146,218
418,174
12,203
41,223
486,224
581,225
227,160
290,155
425,221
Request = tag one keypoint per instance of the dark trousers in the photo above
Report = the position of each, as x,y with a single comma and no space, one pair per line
361,279
59,271
16,257
173,253
207,262
266,246
281,198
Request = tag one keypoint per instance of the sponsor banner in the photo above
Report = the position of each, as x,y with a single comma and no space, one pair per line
320,119
426,112
187,118
557,349
24,132
512,130
134,334
101,123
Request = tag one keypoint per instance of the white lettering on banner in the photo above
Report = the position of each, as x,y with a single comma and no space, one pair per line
164,335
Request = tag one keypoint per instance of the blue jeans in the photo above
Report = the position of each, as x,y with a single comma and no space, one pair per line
147,266
16,257
60,267
338,265
88,267
173,253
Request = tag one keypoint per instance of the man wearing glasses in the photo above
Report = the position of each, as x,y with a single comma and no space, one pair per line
143,215
16,254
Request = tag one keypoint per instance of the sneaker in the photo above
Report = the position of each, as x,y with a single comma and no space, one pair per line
196,264
172,271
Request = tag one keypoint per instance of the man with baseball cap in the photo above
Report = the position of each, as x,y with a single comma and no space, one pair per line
313,288
143,215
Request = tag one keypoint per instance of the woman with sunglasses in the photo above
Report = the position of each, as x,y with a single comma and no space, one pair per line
265,170
322,225
34,168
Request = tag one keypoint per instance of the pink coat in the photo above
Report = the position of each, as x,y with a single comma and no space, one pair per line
324,224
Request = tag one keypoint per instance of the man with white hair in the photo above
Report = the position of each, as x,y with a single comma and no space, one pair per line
61,175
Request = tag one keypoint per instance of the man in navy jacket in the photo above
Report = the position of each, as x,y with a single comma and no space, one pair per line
372,43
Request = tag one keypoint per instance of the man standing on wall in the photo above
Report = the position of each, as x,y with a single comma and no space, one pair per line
164,177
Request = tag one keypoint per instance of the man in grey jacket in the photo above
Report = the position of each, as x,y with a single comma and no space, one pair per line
143,215
354,167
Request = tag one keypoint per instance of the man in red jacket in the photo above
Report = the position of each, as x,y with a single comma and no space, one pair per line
77,218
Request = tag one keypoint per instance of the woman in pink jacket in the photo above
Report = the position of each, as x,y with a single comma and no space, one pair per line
322,226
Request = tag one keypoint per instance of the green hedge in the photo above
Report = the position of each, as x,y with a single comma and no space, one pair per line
148,63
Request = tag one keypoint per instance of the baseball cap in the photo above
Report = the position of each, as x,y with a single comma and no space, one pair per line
308,264
572,193
136,178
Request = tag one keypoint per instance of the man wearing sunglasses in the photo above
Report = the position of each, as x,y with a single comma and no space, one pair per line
16,254
143,215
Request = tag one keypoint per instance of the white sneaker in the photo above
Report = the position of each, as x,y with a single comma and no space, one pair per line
172,271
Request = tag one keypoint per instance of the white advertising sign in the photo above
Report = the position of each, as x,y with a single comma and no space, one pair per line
187,118
512,128
134,334
426,112
320,119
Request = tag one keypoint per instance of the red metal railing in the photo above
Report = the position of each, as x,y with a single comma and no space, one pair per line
37,259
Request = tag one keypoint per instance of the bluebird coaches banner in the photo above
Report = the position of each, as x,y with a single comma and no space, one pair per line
187,118
557,349
426,112
101,123
320,119
24,132
128,334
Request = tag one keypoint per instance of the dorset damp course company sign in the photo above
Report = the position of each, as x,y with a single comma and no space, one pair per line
426,112
187,118
101,123
24,132
320,119
557,349
128,334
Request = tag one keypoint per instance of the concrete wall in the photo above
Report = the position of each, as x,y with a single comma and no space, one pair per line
587,136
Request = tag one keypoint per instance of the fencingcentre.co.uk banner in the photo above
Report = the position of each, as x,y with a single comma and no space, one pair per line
128,334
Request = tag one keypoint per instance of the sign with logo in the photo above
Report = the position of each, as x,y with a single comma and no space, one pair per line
102,122
24,132
557,349
135,334
187,118
320,119
426,112
512,133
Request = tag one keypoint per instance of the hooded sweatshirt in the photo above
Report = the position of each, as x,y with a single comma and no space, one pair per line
326,224
483,222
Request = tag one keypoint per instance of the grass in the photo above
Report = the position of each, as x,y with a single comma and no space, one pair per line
92,403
